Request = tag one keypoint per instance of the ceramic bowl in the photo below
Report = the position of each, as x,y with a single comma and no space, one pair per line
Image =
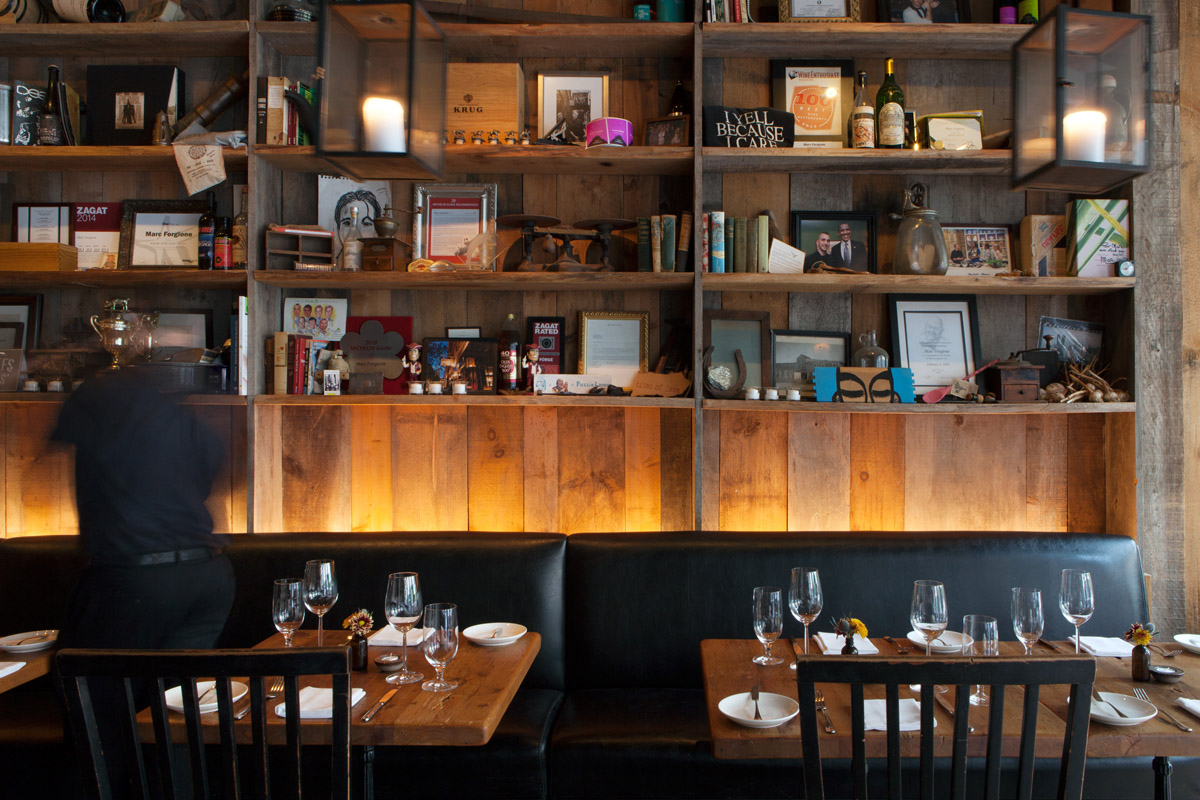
388,662
1165,674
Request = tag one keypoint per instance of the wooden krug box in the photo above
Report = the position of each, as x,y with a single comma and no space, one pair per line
381,255
484,97
1015,381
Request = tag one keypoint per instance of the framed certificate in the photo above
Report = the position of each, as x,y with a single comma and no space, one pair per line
160,233
448,216
936,336
819,11
614,343
42,222
819,95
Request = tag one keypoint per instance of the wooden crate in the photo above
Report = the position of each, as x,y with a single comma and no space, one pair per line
484,97
38,257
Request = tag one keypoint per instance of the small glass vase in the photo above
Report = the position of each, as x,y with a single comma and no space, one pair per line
870,355
1141,663
848,649
358,651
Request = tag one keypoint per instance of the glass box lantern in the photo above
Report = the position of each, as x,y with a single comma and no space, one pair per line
383,99
1081,101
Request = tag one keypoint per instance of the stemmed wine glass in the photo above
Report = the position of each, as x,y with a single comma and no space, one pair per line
440,644
981,637
320,591
402,606
804,599
929,616
768,622
1076,600
1028,622
287,607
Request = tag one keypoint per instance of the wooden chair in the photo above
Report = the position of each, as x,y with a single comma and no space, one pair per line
114,696
857,671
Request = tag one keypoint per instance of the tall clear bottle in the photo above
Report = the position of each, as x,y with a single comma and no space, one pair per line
50,121
352,256
862,119
1116,128
509,365
889,110
241,234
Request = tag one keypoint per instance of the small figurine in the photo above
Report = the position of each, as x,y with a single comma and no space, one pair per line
530,364
525,139
412,362
510,137
494,137
477,137
460,137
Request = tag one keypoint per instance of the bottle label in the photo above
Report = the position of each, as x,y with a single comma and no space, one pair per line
50,130
864,127
239,246
222,252
508,369
891,125
71,10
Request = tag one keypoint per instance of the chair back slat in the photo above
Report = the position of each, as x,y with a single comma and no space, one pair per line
133,747
927,701
995,733
165,751
340,768
1028,729
229,787
258,739
810,742
892,703
958,758
197,768
1070,774
291,691
91,758
858,725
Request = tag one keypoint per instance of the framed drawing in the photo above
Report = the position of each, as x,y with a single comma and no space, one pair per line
936,336
820,11
43,222
819,96
925,11
318,317
673,131
27,311
978,249
567,102
614,343
837,241
748,331
160,233
447,216
795,354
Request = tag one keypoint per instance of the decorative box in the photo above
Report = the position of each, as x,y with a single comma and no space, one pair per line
1014,381
38,257
382,255
1043,245
1097,237
485,96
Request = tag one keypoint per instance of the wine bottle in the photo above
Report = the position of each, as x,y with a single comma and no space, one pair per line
352,246
889,110
862,120
509,365
208,227
50,122
1027,11
241,237
223,243
1005,12
90,10
680,101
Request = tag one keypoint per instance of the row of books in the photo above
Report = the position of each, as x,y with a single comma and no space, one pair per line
734,244
296,363
728,11
664,242
277,121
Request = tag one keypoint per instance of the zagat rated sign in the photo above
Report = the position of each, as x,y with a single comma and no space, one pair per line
746,127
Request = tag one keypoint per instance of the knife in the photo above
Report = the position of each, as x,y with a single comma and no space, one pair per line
944,702
1051,645
375,709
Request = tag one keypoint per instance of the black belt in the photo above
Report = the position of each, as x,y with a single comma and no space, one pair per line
159,559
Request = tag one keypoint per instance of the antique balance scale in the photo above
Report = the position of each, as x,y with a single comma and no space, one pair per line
555,239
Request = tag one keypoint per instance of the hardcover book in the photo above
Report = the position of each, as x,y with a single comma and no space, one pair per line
27,105
124,99
98,234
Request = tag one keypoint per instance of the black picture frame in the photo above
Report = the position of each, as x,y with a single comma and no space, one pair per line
668,131
462,332
1077,341
784,74
26,309
724,342
129,212
805,236
474,361
893,11
783,373
912,337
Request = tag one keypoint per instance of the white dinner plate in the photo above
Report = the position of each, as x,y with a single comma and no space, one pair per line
948,643
1190,641
775,709
495,634
174,695
9,643
1136,711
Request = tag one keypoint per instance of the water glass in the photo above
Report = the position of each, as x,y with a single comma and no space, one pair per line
287,607
768,622
440,644
320,591
1028,622
402,606
1076,600
804,599
981,637
928,615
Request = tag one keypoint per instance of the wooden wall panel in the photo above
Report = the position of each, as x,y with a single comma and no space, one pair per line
643,469
1087,497
818,490
877,501
429,468
316,469
495,469
220,501
540,484
1045,477
676,434
754,468
371,478
268,469
1120,459
39,481
591,469
711,445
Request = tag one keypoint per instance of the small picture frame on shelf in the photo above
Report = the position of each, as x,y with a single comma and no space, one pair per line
748,331
795,354
978,249
820,11
472,362
43,222
924,11
668,131
160,234
448,216
936,336
25,309
835,241
1076,341
567,102
463,333
818,95
319,317
614,343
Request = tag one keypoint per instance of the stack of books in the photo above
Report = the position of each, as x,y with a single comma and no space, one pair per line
734,244
664,243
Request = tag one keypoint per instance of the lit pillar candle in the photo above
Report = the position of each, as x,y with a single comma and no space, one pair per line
1083,135
383,124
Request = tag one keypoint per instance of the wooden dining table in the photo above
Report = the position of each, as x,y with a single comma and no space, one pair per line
728,670
37,664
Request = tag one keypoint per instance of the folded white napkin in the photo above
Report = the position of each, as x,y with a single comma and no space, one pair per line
1191,706
318,703
390,637
1106,646
10,668
832,644
875,715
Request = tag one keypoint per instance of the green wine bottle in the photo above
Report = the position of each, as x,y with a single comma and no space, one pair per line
889,110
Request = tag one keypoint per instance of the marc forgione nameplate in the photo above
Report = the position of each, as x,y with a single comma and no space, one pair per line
864,385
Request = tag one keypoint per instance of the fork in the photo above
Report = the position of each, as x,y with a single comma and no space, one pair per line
274,691
1164,652
1140,694
754,696
900,649
821,707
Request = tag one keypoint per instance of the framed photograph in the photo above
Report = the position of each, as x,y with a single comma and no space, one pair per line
472,361
748,331
819,95
614,343
338,197
672,131
794,355
25,310
160,233
447,216
924,11
819,11
10,370
318,317
43,222
838,241
180,329
462,333
1075,340
936,336
567,102
978,249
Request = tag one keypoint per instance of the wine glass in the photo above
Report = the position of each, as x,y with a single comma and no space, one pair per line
402,606
804,599
1028,622
981,637
320,591
768,622
1075,599
928,614
287,607
440,644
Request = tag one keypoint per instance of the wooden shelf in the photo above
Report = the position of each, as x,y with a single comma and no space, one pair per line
487,281
775,159
143,39
600,401
149,158
860,40
129,278
59,397
913,284
812,407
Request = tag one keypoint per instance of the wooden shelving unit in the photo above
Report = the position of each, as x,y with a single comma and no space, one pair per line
812,407
223,38
493,400
860,40
914,284
943,162
486,281
234,279
86,158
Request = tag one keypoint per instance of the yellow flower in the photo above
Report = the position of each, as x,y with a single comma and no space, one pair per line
859,629
1142,636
